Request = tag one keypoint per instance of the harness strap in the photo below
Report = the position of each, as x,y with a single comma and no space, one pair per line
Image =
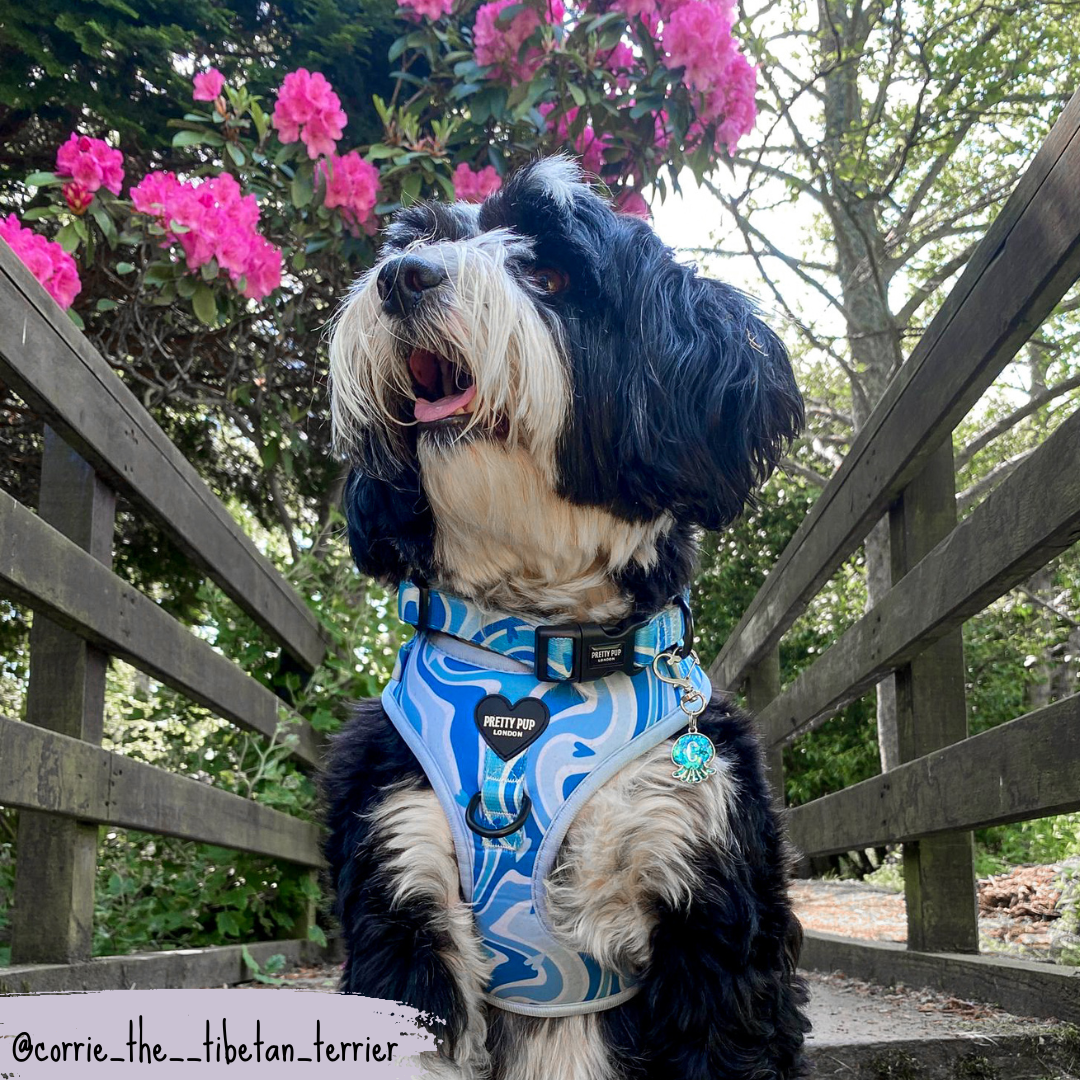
568,653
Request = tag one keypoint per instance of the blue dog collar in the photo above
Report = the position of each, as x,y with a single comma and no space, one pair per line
572,652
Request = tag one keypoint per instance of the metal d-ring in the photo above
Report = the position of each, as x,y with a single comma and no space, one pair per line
505,830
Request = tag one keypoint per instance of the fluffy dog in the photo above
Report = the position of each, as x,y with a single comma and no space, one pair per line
543,410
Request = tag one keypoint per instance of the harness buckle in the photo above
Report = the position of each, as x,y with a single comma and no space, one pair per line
596,650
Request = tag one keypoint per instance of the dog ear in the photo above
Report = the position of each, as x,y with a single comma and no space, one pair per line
686,401
391,528
732,373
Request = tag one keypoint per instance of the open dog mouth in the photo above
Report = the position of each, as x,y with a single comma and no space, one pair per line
444,390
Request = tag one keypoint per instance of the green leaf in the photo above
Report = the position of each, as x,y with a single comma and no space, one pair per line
302,188
275,963
204,305
410,189
105,305
270,454
197,138
76,318
42,179
68,237
104,223
315,933
259,116
577,94
398,48
125,268
159,273
236,152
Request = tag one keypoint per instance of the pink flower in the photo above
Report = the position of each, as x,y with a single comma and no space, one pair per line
475,185
208,85
697,37
632,202
588,145
620,62
91,163
212,220
77,197
732,103
500,46
263,270
352,185
631,8
430,9
45,259
308,109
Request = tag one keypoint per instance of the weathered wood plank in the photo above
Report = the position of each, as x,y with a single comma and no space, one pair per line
52,919
1024,522
1024,769
45,570
59,374
222,965
1020,986
1028,259
762,687
931,712
46,771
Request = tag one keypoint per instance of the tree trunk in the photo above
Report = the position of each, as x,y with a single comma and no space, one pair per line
872,333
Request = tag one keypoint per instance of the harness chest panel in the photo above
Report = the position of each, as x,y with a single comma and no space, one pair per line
594,729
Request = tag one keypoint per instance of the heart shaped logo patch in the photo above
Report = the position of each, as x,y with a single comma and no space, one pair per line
511,729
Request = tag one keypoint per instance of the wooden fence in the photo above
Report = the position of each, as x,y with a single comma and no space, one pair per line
100,442
901,467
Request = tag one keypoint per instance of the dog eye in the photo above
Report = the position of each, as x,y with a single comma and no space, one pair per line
549,280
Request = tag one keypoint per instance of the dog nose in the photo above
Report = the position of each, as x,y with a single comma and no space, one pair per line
401,283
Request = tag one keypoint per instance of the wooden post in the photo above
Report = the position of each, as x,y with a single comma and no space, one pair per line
939,877
56,858
762,685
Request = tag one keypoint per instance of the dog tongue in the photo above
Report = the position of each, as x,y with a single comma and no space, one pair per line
427,411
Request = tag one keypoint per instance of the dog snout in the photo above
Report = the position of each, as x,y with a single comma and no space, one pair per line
403,281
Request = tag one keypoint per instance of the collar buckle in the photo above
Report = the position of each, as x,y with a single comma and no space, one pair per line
596,651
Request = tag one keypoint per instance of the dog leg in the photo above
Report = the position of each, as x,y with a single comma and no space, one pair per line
422,884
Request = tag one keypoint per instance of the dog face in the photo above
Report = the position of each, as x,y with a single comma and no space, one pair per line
542,407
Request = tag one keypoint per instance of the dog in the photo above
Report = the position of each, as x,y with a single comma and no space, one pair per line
543,410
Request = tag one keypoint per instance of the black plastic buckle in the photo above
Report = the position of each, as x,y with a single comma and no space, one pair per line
596,650
423,605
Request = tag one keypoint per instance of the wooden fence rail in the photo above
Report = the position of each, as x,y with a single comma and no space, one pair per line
100,442
901,467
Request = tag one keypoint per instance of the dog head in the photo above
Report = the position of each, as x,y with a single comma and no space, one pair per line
542,408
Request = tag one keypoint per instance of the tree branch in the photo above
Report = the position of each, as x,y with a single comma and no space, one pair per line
998,473
999,427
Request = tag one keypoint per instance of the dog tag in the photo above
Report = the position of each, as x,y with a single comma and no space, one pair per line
692,753
511,729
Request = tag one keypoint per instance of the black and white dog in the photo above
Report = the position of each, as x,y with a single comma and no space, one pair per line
542,410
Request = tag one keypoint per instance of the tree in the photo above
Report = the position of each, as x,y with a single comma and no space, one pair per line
904,126
106,66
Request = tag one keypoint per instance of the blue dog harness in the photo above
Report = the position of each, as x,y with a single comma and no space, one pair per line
513,754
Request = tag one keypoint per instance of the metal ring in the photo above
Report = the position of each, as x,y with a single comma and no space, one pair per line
505,830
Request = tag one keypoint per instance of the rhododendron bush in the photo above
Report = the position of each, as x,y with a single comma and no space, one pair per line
208,282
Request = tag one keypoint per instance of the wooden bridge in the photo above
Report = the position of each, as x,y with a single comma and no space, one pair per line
101,443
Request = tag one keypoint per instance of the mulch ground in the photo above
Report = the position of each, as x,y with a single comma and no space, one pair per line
1017,911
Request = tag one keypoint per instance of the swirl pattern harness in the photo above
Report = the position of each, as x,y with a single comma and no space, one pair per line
514,744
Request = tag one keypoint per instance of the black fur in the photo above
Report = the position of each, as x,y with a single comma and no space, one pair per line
720,1000
682,403
683,399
